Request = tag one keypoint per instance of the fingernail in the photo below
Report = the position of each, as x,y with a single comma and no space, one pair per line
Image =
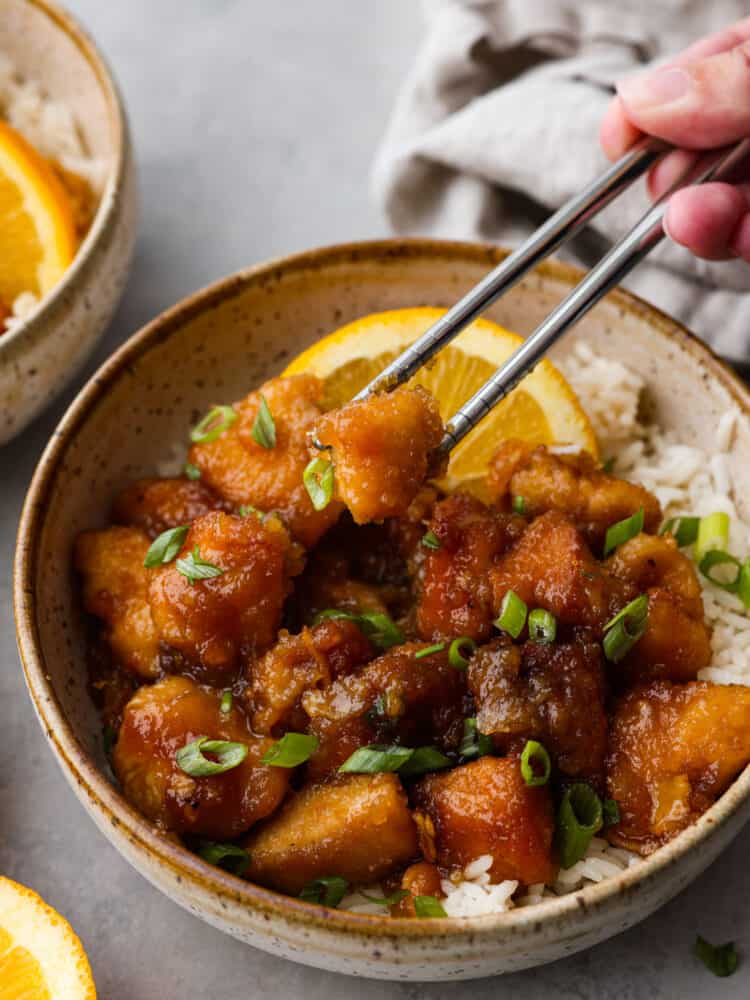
648,89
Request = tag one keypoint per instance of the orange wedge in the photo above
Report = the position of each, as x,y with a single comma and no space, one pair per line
542,410
37,225
40,956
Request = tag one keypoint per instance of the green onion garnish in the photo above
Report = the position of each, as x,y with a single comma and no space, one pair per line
388,901
623,531
225,705
431,540
328,890
721,959
216,421
422,761
437,647
428,906
710,563
474,744
378,627
625,629
191,471
247,509
229,856
519,504
164,548
579,817
381,759
713,534
512,617
610,812
318,480
292,749
460,652
536,766
191,760
542,626
194,568
608,465
264,427
684,530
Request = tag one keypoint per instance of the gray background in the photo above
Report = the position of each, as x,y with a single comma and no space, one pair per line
254,125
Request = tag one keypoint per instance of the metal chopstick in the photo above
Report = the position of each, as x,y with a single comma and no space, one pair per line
610,270
560,227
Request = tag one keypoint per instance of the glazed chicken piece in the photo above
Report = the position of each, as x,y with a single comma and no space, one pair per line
552,567
158,504
551,693
244,472
115,589
355,826
161,719
674,748
677,640
455,589
575,485
214,622
327,583
297,663
486,808
420,879
380,449
394,698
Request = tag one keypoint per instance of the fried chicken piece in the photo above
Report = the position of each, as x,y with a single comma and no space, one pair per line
395,697
486,808
161,719
115,589
677,640
575,485
552,567
213,622
551,693
244,472
158,504
420,879
356,826
674,748
380,448
455,589
297,663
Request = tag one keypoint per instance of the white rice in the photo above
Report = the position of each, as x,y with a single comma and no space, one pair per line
686,480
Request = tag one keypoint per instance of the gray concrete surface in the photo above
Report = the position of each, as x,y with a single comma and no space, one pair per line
254,125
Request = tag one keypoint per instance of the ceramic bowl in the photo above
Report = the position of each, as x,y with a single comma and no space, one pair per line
40,357
132,419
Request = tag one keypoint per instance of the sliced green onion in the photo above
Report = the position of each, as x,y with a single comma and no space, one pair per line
225,705
422,761
684,530
192,761
376,759
579,817
536,766
743,584
625,629
623,531
318,480
610,812
608,465
194,568
164,548
328,890
712,560
191,471
512,617
460,652
437,647
378,627
542,626
229,856
721,959
292,749
216,421
519,505
247,509
713,533
428,906
388,901
474,744
264,428
431,540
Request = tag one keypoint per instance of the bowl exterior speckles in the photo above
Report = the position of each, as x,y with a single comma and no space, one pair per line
39,358
133,417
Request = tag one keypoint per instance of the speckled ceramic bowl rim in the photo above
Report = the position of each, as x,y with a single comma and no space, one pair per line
35,325
105,798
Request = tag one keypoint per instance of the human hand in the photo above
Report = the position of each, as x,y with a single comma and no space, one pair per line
698,100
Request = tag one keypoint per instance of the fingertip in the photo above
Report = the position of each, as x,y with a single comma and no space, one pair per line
668,171
616,133
740,239
704,219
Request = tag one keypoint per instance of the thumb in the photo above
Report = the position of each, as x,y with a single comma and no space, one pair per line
698,105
